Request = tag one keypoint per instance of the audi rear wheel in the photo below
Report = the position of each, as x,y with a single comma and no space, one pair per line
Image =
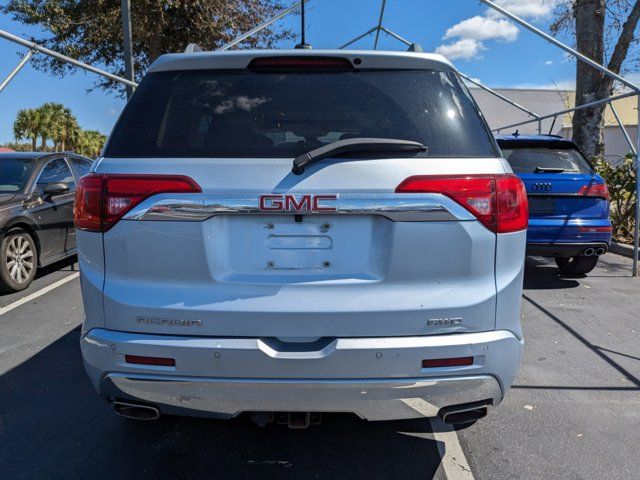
576,265
18,261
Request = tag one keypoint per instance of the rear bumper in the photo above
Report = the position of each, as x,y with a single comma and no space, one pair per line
376,378
563,249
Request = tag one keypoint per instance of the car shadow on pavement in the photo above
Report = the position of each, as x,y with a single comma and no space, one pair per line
540,275
68,264
53,425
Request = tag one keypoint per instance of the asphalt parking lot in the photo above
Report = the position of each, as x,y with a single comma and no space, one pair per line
573,413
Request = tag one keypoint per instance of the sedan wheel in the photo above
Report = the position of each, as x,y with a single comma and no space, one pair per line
19,261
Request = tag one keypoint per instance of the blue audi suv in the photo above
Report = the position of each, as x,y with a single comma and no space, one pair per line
568,200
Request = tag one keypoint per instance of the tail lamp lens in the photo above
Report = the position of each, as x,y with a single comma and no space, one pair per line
499,202
300,63
595,190
156,361
447,362
102,200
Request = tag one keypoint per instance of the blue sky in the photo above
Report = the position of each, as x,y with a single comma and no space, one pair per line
482,45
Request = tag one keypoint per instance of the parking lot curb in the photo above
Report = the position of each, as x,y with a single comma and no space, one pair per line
622,249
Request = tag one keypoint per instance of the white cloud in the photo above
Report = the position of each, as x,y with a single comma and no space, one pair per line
527,9
465,49
548,62
483,28
492,25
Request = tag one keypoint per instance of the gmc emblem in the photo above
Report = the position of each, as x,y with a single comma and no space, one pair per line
302,203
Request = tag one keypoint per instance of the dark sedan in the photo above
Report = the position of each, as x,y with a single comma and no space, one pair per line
37,191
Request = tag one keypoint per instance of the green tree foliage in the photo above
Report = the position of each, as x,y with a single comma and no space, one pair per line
90,143
604,31
29,124
55,122
621,181
91,30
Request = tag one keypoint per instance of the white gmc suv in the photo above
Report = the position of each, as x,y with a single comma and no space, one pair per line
295,232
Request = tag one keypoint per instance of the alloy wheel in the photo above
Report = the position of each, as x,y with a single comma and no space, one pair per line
20,258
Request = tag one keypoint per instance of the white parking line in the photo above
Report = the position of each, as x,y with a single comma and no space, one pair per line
453,459
38,293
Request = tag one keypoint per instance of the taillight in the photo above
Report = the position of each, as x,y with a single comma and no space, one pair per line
513,205
295,62
595,190
156,361
87,211
499,202
447,362
102,200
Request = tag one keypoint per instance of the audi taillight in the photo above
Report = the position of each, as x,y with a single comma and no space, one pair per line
499,202
102,200
595,190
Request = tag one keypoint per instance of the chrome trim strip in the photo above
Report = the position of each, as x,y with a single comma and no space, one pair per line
404,207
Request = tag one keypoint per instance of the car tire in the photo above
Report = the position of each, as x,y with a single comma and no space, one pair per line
18,261
576,265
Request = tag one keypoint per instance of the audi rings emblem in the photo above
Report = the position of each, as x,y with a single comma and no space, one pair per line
541,187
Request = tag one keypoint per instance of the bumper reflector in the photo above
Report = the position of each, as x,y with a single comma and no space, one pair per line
447,362
158,361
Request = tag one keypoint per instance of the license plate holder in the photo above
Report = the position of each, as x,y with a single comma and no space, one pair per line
542,205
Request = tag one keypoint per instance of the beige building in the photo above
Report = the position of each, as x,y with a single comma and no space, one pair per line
544,102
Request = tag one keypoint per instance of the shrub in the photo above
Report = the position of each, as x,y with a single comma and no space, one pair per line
621,180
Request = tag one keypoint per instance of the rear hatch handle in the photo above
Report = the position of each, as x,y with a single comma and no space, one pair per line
354,145
277,348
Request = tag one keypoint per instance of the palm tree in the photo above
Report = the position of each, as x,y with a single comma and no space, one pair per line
66,130
53,114
90,143
28,124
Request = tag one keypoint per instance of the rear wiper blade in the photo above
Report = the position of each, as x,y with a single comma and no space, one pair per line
549,170
354,145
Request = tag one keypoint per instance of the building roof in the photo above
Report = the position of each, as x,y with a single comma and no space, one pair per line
543,102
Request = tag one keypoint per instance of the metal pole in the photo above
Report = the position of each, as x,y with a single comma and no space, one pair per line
396,36
562,112
624,130
368,32
500,96
34,46
636,231
255,30
128,48
379,27
561,45
539,126
16,69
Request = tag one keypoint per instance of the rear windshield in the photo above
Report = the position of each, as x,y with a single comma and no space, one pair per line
14,173
536,160
213,113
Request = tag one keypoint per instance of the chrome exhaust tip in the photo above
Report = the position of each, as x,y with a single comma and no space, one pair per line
589,252
601,251
136,411
465,413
